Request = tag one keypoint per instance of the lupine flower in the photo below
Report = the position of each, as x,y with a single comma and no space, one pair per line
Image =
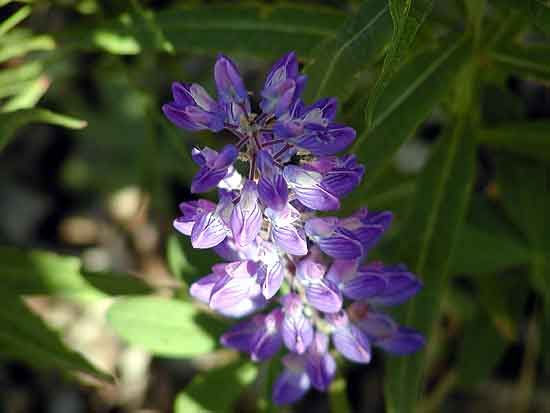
265,226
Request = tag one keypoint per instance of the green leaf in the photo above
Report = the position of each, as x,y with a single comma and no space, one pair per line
428,240
531,62
479,251
11,121
216,390
525,187
177,261
409,98
407,17
19,43
249,29
162,326
523,138
480,351
24,336
45,273
539,11
14,19
186,262
338,397
337,62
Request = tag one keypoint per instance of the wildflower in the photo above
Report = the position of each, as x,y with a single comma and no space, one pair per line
265,226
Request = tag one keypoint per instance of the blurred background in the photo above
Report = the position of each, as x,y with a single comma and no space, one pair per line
456,142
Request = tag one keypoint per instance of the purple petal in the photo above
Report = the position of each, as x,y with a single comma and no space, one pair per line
363,286
273,192
290,239
307,187
321,112
325,296
209,230
272,279
326,141
267,340
231,292
321,369
403,341
202,288
290,387
229,82
242,336
342,245
352,343
297,331
401,285
247,217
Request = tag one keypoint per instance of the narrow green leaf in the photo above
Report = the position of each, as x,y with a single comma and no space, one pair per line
428,239
407,17
11,121
162,326
249,29
531,62
480,351
216,390
337,62
408,100
179,265
19,44
14,19
338,397
525,187
524,138
478,251
24,336
44,273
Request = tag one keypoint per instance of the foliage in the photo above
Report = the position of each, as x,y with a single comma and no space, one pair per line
473,211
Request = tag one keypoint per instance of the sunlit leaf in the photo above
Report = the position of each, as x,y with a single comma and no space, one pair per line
14,19
227,383
11,121
162,326
24,336
45,273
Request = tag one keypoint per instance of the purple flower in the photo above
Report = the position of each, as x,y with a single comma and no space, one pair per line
259,336
214,167
193,109
265,226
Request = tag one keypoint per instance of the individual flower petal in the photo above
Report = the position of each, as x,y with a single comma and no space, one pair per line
402,342
290,239
340,175
324,295
272,278
202,288
236,287
191,211
349,340
290,387
307,187
297,330
229,82
325,140
341,245
320,367
193,109
363,285
214,167
242,336
367,226
400,286
209,230
267,340
246,218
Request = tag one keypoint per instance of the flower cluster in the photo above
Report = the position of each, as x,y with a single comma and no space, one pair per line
265,226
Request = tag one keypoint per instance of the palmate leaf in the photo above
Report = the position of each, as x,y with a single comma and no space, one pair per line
162,326
11,121
245,29
24,336
409,98
337,62
407,17
227,383
45,273
428,239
